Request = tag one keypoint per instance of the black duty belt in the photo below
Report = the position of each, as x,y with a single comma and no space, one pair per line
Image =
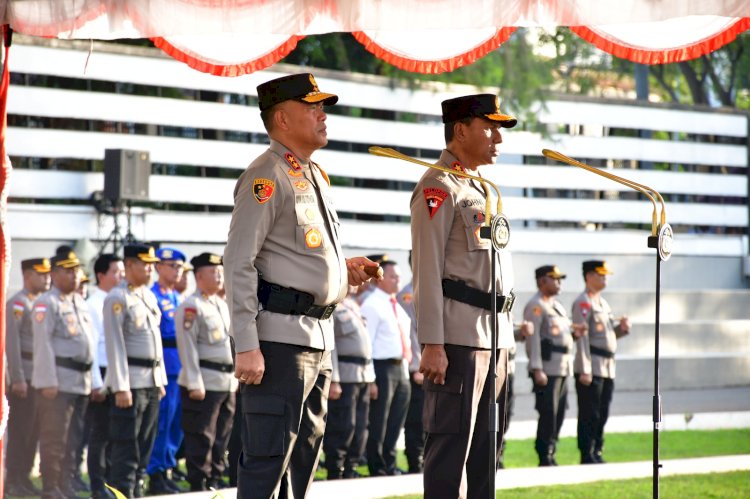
601,352
216,366
559,348
388,361
169,342
75,365
136,361
460,291
362,361
511,355
281,300
27,355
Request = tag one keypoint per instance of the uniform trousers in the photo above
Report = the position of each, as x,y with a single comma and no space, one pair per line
593,412
456,419
551,402
132,432
97,459
207,425
169,430
387,415
23,433
234,447
346,431
284,418
414,429
60,430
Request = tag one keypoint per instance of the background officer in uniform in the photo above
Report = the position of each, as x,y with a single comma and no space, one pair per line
353,372
207,375
64,349
169,432
23,427
594,365
550,353
136,373
452,269
285,272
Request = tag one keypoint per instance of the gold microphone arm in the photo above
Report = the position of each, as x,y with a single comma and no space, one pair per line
387,152
643,189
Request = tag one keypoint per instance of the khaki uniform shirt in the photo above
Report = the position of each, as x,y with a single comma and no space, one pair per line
602,334
62,328
284,227
202,327
353,340
551,324
19,337
131,329
446,214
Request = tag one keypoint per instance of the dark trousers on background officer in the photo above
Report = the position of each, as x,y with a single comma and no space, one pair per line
97,459
510,401
414,429
207,425
132,432
551,401
234,447
387,416
23,435
593,412
60,425
346,431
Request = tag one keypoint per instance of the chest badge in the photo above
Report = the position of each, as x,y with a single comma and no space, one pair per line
263,189
301,185
313,239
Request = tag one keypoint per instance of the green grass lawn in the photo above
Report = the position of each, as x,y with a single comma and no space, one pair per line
711,485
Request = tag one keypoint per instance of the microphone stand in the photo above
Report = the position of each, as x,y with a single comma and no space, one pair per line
661,239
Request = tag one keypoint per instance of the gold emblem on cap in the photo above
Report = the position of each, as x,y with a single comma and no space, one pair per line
314,85
71,255
214,260
497,103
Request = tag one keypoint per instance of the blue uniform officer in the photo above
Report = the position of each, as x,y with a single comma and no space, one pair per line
169,434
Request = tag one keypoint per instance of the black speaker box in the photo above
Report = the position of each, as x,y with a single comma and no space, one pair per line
126,175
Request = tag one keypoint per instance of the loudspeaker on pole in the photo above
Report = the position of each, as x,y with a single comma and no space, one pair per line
126,175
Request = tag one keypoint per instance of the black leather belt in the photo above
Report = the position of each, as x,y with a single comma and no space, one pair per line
27,355
362,361
387,361
136,361
460,291
281,300
75,365
559,348
601,352
216,366
169,342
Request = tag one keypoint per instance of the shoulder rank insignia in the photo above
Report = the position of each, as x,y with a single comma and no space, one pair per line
292,161
263,189
434,199
456,166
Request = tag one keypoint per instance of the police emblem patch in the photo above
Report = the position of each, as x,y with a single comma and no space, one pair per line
585,308
39,312
263,189
537,311
18,309
301,185
116,308
313,239
434,199
190,314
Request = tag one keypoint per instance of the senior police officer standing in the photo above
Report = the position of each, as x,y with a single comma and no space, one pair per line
550,354
452,280
170,269
594,365
64,349
207,375
23,425
285,272
136,372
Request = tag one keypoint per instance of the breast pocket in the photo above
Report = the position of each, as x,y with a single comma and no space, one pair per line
311,238
473,217
138,316
214,330
67,326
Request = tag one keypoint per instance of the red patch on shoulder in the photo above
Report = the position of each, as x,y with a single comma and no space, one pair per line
585,308
434,199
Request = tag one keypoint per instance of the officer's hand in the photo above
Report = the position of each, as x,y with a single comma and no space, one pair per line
418,377
580,330
250,367
585,379
20,389
624,325
527,329
434,363
540,379
197,394
162,392
124,399
334,392
373,391
361,269
49,392
98,395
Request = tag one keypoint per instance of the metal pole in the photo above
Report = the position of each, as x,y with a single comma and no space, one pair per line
653,243
492,378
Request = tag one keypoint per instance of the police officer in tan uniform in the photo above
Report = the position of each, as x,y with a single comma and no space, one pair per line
207,377
135,373
550,354
285,273
452,268
594,364
23,427
64,349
